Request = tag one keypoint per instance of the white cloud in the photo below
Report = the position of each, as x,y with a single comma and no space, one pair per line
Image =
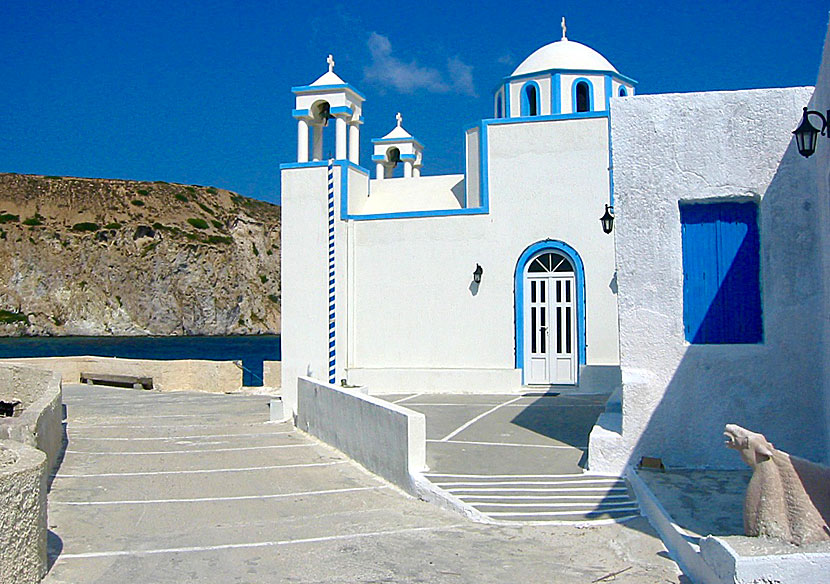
407,77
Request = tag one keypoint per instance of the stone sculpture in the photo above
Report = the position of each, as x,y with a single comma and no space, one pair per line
788,497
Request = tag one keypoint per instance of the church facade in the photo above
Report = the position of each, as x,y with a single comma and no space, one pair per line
494,280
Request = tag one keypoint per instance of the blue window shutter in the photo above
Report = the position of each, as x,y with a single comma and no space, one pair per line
700,269
740,293
721,285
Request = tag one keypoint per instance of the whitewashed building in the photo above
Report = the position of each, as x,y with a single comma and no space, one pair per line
723,254
492,280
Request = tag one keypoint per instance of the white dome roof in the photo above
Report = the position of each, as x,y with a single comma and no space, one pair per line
564,54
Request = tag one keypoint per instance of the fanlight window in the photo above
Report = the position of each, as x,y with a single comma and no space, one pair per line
623,92
549,263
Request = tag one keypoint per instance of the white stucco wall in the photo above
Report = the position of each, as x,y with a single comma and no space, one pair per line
415,305
597,95
472,181
821,178
544,97
423,193
677,397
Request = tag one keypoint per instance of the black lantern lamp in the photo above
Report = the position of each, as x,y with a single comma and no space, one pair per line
607,219
477,274
806,134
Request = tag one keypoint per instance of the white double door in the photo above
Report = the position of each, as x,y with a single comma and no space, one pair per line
550,329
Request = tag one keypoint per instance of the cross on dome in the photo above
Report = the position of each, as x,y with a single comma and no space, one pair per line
564,29
399,119
330,61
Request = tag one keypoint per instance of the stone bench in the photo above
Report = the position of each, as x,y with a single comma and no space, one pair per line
117,380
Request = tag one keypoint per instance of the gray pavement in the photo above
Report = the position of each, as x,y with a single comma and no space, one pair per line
187,487
519,458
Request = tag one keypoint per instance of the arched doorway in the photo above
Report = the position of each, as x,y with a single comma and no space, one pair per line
550,315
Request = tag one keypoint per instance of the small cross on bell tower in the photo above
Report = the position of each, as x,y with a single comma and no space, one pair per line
328,98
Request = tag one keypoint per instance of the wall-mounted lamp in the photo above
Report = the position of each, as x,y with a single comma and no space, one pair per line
607,219
477,274
806,134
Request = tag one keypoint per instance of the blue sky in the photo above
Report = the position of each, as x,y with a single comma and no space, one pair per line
199,92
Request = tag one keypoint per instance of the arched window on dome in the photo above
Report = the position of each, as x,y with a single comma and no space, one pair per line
499,106
530,99
623,91
582,96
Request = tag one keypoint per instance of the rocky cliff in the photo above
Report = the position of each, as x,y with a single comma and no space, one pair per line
97,257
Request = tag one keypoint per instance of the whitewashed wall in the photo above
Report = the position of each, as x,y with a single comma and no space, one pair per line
415,305
821,177
677,397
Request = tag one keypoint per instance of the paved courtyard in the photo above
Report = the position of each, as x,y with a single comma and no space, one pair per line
520,458
192,487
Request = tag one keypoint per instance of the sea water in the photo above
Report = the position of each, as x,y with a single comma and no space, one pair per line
251,350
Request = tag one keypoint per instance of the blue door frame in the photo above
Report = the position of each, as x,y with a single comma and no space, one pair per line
518,286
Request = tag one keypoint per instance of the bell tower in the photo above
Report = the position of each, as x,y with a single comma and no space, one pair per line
395,147
316,105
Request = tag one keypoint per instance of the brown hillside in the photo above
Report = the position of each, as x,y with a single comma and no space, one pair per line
100,256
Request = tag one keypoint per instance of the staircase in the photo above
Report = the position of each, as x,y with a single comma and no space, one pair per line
570,498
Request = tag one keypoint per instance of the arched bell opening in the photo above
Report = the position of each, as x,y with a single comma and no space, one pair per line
323,131
393,167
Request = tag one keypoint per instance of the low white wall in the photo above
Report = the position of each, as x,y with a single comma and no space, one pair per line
22,515
39,425
387,439
174,375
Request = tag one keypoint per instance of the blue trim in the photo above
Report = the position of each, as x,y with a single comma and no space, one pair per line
300,113
301,89
608,92
614,74
419,214
410,157
609,86
322,164
526,102
518,283
574,85
579,116
396,141
341,109
378,158
506,100
556,94
482,209
332,271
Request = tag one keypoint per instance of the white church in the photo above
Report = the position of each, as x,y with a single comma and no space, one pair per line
494,280
707,302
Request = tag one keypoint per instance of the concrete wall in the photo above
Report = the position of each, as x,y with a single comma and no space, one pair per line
175,375
387,439
22,514
272,374
677,397
40,423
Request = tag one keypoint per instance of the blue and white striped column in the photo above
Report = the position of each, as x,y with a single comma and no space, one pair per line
332,348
